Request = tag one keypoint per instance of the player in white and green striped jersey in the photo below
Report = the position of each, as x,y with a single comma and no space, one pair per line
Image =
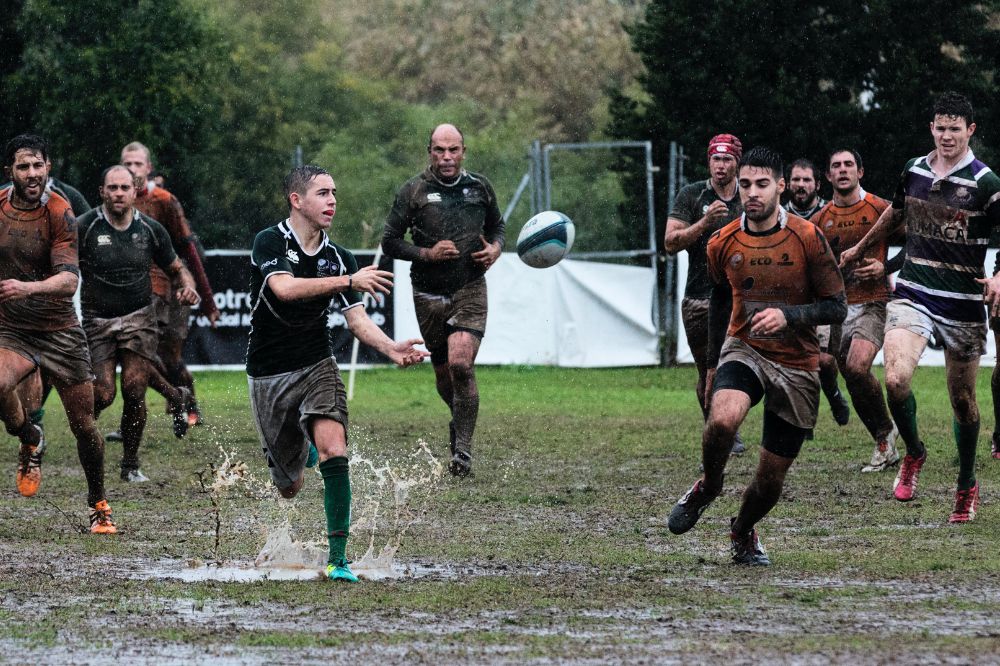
949,202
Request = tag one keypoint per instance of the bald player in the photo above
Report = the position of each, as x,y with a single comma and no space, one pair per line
456,235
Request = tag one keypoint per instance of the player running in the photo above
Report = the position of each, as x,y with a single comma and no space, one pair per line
948,201
38,325
118,245
844,221
699,210
295,389
775,280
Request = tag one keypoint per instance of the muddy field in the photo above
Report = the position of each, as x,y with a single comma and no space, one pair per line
555,552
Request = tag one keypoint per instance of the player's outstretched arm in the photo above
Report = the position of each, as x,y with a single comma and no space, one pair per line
401,353
888,221
289,288
61,284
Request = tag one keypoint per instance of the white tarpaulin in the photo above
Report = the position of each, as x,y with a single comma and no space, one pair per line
930,357
577,314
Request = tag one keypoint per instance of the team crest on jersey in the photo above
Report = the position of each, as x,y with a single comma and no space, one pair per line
139,241
103,239
962,195
433,197
828,224
736,260
293,256
472,196
325,268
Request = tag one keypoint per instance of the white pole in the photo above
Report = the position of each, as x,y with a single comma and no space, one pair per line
366,300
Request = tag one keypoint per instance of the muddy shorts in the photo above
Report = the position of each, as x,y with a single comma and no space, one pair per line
172,318
694,315
789,393
62,356
136,332
282,406
865,321
829,337
963,343
440,316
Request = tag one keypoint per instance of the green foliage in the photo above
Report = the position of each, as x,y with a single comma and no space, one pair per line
806,77
98,74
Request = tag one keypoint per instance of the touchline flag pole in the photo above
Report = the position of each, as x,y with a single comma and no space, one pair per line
366,299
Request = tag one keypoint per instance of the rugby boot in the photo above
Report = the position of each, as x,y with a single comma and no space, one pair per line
905,486
133,475
966,503
885,454
29,466
194,413
747,548
839,407
461,463
100,519
451,437
739,446
341,571
688,510
113,436
179,413
995,453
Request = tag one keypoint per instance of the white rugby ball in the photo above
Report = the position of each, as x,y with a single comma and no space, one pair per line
545,239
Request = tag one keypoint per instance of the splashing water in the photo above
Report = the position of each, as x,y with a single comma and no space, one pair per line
389,497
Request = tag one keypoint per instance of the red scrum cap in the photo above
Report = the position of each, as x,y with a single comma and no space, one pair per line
725,144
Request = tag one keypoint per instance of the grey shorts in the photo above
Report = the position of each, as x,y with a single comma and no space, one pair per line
963,343
789,393
694,315
829,337
440,316
62,356
865,321
136,332
282,407
172,319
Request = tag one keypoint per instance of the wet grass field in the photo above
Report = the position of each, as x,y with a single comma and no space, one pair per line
556,551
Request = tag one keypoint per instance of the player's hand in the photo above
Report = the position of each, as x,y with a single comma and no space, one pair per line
488,255
371,280
716,214
405,354
14,290
213,318
186,296
442,251
991,293
869,269
849,256
768,322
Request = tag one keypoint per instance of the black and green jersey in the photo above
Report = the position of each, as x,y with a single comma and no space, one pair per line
291,335
434,211
690,205
114,265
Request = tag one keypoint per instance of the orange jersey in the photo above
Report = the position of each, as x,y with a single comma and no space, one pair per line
35,245
792,265
164,207
843,227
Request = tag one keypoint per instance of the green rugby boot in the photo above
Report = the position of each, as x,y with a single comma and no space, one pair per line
341,571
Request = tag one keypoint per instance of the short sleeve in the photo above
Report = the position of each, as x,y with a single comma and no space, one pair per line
824,274
268,254
349,266
163,250
64,254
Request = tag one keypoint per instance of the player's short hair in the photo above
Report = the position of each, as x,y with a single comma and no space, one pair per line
953,104
136,146
430,137
298,180
856,154
763,157
30,142
803,163
113,167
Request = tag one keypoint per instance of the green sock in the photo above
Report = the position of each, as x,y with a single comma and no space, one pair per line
37,415
966,436
905,416
337,504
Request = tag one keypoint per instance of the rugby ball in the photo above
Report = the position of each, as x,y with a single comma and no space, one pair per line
545,239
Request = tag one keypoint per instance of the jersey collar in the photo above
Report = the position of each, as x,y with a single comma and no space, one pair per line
288,232
965,161
782,221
